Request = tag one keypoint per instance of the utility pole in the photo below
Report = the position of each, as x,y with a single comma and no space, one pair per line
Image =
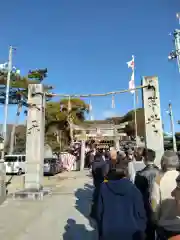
175,54
177,46
7,101
170,112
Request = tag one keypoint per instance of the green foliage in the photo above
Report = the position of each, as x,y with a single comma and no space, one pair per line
57,115
130,118
19,86
20,138
18,93
58,111
58,142
22,82
38,74
51,140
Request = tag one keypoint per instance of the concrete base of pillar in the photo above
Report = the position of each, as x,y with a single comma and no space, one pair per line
31,194
2,182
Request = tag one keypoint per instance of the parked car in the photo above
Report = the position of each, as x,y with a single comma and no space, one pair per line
15,164
52,166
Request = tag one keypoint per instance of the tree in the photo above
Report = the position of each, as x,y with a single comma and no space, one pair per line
140,121
57,112
58,115
20,139
18,87
130,119
18,93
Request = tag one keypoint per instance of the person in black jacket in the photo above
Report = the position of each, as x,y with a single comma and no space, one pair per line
99,171
144,182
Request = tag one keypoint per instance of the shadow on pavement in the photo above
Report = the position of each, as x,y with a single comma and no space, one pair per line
84,199
84,203
74,231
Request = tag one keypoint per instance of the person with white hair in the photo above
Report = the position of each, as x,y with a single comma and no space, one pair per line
164,207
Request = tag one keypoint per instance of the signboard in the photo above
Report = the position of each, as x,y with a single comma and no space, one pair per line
104,146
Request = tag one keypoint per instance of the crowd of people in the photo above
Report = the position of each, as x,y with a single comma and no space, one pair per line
134,199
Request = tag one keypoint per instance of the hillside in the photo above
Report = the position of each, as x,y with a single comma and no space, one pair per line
20,137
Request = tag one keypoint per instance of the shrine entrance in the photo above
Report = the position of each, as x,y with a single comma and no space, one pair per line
106,135
36,126
152,117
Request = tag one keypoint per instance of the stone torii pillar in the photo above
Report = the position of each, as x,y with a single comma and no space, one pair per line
152,113
2,181
35,138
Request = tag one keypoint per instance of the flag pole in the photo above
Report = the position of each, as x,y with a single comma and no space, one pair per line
131,65
170,111
135,118
135,110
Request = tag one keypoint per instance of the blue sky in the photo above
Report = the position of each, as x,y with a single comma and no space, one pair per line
85,46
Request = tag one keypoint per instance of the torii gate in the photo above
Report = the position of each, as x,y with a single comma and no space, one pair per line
36,124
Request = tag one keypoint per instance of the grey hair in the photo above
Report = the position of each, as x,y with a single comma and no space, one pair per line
169,161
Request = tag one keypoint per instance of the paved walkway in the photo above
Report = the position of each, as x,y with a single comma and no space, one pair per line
62,216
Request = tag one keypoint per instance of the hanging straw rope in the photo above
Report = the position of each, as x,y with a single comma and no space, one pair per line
93,95
113,102
90,111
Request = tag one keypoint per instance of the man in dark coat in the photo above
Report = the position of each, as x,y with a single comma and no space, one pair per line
99,171
144,182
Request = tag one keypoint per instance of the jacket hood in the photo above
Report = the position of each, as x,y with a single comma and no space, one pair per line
119,187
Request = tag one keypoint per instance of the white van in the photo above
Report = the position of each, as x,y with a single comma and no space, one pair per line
15,164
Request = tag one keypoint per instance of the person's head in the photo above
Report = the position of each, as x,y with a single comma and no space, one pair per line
100,150
130,154
138,153
119,172
149,156
169,161
122,154
113,155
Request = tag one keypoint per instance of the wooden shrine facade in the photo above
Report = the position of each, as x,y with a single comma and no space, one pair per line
101,131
